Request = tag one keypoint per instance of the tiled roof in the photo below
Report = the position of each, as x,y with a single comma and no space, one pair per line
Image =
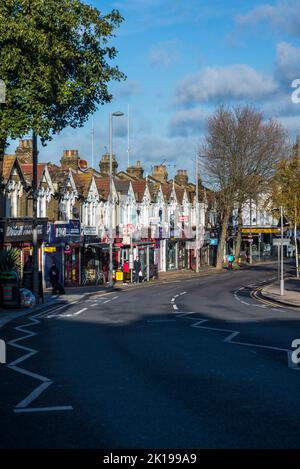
8,162
102,184
166,190
27,170
179,194
122,186
139,188
83,182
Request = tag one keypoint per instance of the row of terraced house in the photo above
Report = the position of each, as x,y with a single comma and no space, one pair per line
153,217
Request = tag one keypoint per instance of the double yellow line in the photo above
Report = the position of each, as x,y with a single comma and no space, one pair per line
254,294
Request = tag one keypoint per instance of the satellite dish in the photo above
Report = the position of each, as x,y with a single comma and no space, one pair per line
82,165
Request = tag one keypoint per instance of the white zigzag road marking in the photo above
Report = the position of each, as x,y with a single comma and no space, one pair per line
22,406
231,335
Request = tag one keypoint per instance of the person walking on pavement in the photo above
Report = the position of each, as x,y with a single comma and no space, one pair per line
137,269
54,280
125,272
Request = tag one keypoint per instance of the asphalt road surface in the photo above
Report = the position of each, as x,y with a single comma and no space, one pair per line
188,364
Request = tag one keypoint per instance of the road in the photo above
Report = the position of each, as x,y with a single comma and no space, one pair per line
191,364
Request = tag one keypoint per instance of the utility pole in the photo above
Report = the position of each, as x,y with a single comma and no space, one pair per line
35,266
197,216
296,242
110,214
251,239
281,264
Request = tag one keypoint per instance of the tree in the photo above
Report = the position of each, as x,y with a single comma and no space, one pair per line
54,60
241,150
285,191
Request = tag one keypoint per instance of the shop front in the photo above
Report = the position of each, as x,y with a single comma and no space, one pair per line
95,259
64,249
146,250
17,233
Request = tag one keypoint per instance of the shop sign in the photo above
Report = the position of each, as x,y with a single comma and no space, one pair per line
214,241
65,231
74,228
90,231
154,220
184,218
49,249
21,230
260,230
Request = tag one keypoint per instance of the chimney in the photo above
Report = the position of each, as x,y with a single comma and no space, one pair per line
160,173
104,164
24,151
70,159
181,177
136,171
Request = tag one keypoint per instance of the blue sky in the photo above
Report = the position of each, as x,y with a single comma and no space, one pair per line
182,58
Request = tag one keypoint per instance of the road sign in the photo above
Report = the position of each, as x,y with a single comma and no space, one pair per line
183,218
277,241
128,229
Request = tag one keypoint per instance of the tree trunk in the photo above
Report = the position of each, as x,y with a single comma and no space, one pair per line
296,243
2,152
223,238
239,236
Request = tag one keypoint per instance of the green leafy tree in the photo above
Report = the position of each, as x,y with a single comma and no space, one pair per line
55,60
285,191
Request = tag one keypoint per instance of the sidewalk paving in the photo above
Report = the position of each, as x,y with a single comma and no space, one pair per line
292,292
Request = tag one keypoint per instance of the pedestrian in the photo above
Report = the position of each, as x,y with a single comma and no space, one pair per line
137,269
230,259
54,280
125,271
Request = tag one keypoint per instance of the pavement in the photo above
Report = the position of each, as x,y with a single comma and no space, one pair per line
291,295
192,364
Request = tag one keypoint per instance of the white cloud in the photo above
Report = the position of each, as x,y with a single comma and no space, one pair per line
215,84
164,54
283,16
287,66
188,122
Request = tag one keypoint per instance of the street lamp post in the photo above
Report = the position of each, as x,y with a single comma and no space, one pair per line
197,216
281,264
110,214
35,267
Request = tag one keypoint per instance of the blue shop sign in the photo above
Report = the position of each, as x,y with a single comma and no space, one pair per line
214,241
65,232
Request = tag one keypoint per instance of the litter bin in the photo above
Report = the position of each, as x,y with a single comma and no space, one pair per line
9,289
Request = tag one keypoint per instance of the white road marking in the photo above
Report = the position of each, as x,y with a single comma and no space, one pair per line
22,406
107,301
80,311
44,409
95,304
232,334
